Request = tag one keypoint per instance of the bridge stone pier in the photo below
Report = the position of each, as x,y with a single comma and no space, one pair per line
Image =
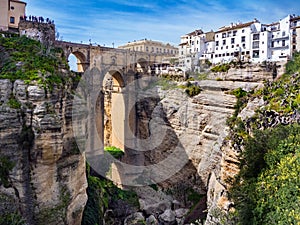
116,77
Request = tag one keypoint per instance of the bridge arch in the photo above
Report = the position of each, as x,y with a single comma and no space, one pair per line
142,65
114,109
81,60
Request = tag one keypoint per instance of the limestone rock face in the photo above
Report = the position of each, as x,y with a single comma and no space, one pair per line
198,124
48,181
218,202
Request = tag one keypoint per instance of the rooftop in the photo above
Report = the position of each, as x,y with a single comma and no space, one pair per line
236,26
18,1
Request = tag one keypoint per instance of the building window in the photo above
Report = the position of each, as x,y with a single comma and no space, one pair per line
226,47
262,42
234,33
255,54
192,42
224,42
283,33
232,46
232,40
272,44
255,44
283,42
147,49
221,48
294,32
243,31
243,38
255,37
12,8
217,43
216,48
224,35
12,19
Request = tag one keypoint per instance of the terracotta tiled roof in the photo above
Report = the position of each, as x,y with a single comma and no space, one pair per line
181,44
238,26
295,18
195,32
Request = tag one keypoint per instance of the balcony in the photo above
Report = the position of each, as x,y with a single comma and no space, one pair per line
279,47
277,38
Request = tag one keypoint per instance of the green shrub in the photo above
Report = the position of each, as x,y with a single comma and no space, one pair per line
12,219
266,191
114,151
14,103
5,167
221,68
193,90
29,60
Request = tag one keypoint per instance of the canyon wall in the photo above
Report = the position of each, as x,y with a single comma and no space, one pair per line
47,182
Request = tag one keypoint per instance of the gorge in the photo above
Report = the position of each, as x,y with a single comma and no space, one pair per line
204,124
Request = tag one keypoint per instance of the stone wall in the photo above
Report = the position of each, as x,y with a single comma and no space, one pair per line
43,32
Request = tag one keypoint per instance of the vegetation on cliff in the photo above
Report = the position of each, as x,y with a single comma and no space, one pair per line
102,196
29,60
266,190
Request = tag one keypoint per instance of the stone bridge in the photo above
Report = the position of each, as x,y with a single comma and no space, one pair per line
124,60
108,92
116,75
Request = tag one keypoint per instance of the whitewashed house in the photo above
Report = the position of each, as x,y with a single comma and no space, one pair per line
236,41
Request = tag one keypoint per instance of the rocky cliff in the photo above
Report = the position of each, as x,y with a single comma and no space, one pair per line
47,182
198,125
42,172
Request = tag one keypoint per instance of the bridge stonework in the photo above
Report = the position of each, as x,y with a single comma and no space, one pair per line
117,76
115,118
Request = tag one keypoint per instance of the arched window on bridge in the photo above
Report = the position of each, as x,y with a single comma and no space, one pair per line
72,60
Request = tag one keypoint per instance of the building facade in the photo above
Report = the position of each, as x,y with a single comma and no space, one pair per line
295,33
154,47
194,46
251,41
10,13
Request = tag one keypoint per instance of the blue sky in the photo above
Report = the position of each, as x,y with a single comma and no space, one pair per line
120,21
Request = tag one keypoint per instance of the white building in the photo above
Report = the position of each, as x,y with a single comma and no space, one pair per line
195,46
190,49
295,33
209,46
251,41
236,41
